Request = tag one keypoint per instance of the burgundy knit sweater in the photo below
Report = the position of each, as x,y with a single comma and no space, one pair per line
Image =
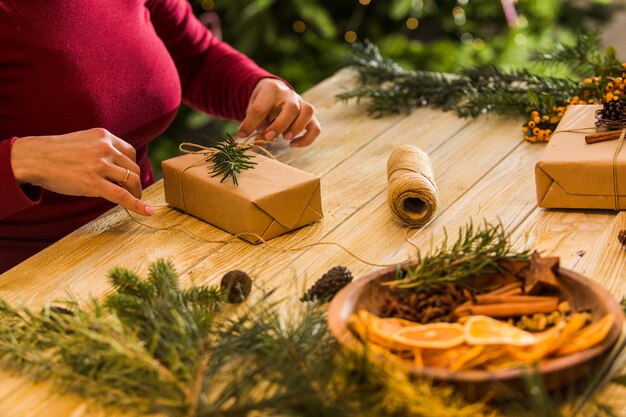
122,65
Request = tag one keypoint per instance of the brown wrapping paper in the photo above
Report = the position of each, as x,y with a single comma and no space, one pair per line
271,199
573,174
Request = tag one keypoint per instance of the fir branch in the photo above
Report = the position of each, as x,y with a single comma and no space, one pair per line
487,88
477,251
229,159
261,361
372,67
169,352
583,58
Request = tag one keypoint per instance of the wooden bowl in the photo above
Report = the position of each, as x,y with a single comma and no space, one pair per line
559,372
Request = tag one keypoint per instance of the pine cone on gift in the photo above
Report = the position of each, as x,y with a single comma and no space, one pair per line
614,110
328,285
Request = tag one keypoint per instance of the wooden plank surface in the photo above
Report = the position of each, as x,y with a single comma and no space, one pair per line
482,168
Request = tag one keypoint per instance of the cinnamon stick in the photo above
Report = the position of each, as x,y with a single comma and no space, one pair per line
512,288
515,309
601,137
506,298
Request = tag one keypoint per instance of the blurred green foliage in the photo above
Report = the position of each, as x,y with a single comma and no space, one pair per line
304,41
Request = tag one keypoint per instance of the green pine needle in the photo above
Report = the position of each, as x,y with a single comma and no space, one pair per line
388,88
477,251
156,348
230,159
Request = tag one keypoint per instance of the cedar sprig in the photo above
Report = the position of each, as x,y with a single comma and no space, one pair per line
477,251
229,159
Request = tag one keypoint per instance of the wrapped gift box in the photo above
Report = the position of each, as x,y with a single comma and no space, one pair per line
574,174
271,199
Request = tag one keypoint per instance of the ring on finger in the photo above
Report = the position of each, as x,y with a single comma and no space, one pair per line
126,177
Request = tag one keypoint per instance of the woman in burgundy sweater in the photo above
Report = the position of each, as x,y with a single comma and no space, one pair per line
84,86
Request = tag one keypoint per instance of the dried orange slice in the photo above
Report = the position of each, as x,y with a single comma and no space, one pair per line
588,336
380,331
444,358
545,343
418,359
483,330
469,355
430,336
489,354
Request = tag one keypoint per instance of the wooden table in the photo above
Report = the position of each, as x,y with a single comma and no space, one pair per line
483,170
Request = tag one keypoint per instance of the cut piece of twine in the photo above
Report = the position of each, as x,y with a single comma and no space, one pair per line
182,229
412,193
618,148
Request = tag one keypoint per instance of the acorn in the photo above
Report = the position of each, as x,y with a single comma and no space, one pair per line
236,285
328,285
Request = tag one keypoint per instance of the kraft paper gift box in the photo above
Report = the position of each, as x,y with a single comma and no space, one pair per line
574,174
271,199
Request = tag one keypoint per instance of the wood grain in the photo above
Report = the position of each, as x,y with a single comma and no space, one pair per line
483,171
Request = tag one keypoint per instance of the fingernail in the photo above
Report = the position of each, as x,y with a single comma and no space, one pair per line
150,210
270,135
287,135
242,134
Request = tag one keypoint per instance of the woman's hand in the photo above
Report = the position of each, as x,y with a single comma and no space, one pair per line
276,109
89,163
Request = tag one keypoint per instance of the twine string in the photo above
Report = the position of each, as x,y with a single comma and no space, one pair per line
412,193
615,155
182,229
618,148
422,169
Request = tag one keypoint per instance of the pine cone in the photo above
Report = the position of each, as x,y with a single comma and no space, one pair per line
237,286
622,237
328,285
614,110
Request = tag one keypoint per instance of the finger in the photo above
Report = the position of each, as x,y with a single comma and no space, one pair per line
117,175
124,147
300,123
123,161
121,196
257,112
313,130
287,115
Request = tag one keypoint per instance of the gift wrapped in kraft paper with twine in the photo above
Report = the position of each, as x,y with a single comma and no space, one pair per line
412,193
575,174
270,200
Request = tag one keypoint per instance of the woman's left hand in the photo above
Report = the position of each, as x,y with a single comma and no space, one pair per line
276,109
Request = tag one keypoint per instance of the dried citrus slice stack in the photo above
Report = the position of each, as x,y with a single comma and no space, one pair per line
483,330
430,336
588,336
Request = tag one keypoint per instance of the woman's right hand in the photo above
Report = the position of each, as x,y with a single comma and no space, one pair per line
89,163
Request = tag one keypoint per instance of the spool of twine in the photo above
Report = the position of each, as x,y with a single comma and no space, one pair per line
412,193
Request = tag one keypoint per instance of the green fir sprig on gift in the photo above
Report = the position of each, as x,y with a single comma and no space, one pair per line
229,159
477,251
